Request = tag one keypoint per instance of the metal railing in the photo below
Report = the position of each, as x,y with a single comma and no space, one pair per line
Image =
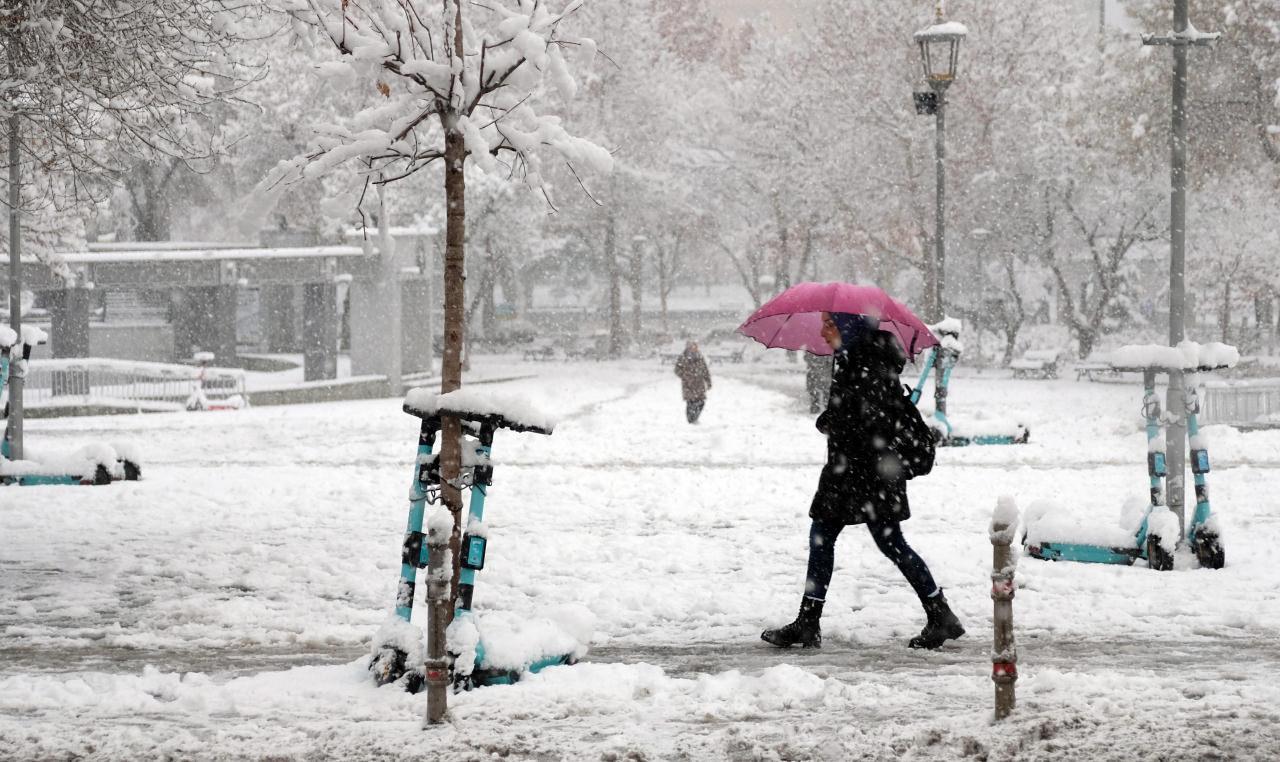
1242,403
123,383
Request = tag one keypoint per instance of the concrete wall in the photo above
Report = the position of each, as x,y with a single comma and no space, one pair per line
150,342
417,327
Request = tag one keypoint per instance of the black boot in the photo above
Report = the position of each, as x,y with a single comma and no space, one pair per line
942,625
805,631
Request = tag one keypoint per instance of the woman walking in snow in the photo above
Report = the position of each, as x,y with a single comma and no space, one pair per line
695,380
873,447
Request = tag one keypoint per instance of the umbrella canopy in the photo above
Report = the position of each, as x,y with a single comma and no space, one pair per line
793,319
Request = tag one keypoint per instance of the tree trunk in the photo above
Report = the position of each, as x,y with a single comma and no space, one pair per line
490,297
150,197
1087,337
1010,343
615,286
454,327
637,278
440,604
1224,320
663,288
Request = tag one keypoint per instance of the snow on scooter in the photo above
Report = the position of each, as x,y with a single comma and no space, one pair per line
91,464
1151,534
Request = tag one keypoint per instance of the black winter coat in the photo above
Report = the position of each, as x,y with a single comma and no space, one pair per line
862,480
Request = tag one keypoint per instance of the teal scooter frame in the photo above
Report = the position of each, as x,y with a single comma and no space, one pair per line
130,470
389,663
1147,545
945,359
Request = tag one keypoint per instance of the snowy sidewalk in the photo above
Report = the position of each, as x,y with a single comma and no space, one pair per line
264,540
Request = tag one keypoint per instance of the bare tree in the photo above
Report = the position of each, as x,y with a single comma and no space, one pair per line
456,86
1093,280
88,86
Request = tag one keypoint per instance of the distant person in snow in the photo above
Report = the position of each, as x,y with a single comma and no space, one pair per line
876,440
817,381
695,380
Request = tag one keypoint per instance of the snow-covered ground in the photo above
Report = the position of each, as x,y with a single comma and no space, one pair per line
222,607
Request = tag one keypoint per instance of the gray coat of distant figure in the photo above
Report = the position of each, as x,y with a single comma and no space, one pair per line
695,380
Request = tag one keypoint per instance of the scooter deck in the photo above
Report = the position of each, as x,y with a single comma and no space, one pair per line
1082,553
983,439
481,678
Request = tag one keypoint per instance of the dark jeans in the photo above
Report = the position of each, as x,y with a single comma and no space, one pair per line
888,538
693,409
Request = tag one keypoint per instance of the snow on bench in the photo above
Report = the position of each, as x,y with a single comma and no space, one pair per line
1036,363
1096,370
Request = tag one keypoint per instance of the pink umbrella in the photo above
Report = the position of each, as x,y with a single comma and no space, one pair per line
793,319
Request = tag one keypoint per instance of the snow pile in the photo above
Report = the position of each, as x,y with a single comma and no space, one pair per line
1048,521
7,336
946,27
947,325
404,637
1005,515
129,451
517,409
463,637
1188,355
510,642
1163,524
947,331
33,335
440,521
83,462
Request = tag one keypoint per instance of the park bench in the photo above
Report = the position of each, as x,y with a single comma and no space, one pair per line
540,352
1094,371
726,354
1036,363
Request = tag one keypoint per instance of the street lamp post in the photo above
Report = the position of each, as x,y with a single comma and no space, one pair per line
940,53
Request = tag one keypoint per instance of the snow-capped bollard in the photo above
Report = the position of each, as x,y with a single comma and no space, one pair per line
1004,655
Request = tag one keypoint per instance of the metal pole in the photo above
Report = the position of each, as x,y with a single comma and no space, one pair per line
1175,433
16,364
940,245
1004,654
940,236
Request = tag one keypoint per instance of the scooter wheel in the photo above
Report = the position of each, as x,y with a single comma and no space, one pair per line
101,475
1157,557
387,666
1208,550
